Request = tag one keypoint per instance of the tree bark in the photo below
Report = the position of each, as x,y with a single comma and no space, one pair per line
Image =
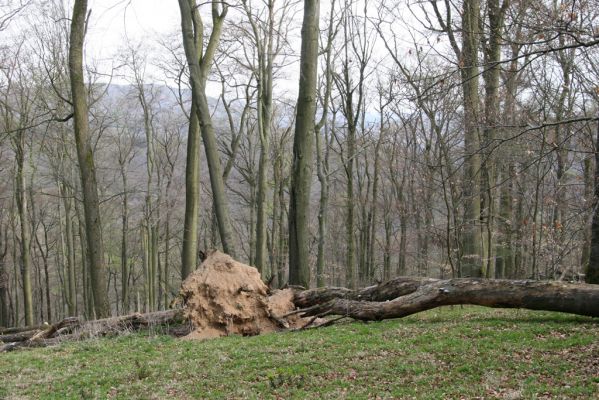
4,280
406,296
21,199
592,272
322,155
491,76
301,179
388,290
189,254
468,59
85,155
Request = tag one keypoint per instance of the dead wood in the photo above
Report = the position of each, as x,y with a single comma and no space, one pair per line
580,299
17,337
131,322
71,328
389,290
37,343
6,331
69,322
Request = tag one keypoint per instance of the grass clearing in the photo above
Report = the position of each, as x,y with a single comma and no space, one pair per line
448,353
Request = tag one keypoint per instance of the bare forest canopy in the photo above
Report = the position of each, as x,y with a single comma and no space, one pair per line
439,139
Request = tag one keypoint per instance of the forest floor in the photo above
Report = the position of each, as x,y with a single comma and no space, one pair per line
451,353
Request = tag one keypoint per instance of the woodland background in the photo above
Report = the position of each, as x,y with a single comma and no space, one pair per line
452,138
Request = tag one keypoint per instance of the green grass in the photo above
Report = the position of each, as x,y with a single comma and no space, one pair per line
445,353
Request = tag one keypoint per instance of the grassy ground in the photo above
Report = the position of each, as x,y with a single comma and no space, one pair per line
445,353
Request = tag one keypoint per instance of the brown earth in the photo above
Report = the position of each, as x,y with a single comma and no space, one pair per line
225,297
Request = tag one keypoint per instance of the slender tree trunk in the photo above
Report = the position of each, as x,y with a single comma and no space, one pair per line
491,75
588,196
349,206
145,259
155,273
506,245
198,75
189,254
592,272
566,62
88,300
124,244
45,254
261,252
167,246
85,155
519,231
403,220
281,222
4,279
387,248
322,155
303,152
71,295
471,246
322,166
277,212
374,209
265,82
16,271
25,229
149,224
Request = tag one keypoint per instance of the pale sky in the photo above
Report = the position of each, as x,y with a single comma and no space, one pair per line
112,21
115,21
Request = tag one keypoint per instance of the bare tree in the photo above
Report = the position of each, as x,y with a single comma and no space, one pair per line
301,179
199,63
85,155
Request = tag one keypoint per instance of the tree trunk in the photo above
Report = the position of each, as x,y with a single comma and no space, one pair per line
322,166
21,197
71,292
281,222
322,155
301,178
124,245
592,272
406,296
471,245
85,155
588,197
491,76
4,280
61,331
190,19
265,82
276,215
189,254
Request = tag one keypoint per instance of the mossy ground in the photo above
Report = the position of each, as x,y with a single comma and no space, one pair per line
451,353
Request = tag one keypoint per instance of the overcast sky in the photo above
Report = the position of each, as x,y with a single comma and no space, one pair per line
112,21
115,21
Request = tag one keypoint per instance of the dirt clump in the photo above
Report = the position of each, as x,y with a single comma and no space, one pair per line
225,297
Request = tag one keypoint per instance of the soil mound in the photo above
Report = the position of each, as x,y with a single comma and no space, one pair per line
225,297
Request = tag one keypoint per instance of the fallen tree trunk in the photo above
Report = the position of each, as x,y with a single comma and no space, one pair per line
19,329
389,290
71,328
136,321
580,299
17,337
